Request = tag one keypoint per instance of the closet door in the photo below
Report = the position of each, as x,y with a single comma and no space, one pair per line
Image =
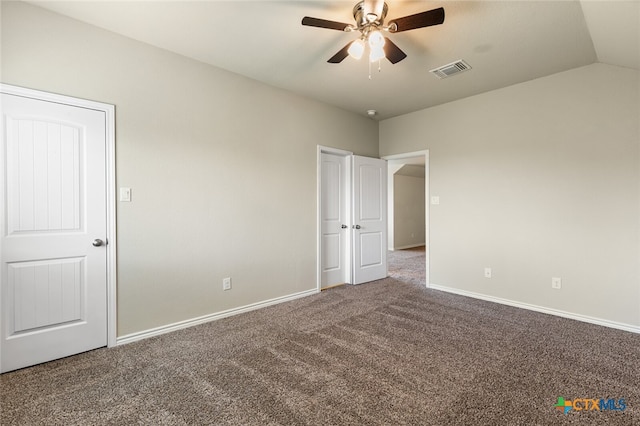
369,219
53,239
334,231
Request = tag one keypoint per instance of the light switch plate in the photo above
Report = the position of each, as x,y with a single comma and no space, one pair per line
125,194
435,200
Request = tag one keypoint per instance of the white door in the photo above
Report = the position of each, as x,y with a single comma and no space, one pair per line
369,219
334,232
53,278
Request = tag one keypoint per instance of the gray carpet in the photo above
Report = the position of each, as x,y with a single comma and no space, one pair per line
388,352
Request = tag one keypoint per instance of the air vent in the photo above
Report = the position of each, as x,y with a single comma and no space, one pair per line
451,69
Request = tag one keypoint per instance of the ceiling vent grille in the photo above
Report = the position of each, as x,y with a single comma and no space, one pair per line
451,69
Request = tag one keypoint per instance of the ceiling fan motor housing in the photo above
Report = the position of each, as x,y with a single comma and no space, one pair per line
364,20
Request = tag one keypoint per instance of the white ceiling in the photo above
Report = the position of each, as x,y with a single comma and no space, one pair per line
505,42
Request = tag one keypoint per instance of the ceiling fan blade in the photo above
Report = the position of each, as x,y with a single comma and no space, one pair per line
323,23
339,57
393,53
419,20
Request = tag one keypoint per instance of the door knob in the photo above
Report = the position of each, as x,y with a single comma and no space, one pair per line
356,226
97,242
344,226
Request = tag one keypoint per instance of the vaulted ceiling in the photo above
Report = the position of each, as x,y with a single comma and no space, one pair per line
504,42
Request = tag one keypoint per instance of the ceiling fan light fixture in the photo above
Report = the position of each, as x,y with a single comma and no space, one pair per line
356,49
376,39
377,54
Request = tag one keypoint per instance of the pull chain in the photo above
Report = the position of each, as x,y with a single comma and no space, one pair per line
379,68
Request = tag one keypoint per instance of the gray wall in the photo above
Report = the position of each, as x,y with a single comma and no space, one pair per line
408,207
223,168
537,180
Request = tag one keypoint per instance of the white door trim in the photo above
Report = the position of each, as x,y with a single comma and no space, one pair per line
109,111
326,150
427,214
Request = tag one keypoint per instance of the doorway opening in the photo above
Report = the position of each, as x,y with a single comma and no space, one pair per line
408,209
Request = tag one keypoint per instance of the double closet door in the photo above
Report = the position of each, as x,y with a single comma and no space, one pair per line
353,219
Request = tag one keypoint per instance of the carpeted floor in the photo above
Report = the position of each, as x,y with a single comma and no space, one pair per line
388,352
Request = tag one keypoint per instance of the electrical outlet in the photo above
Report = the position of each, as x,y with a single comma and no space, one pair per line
487,272
226,283
556,283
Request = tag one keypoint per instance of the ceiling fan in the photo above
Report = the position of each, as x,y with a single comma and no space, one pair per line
369,16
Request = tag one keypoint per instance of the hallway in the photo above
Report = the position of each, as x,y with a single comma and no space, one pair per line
408,265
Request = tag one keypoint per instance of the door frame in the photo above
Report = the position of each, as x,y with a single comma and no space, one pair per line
109,111
427,213
340,152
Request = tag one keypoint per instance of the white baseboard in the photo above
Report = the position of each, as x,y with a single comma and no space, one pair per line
134,337
564,314
408,247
